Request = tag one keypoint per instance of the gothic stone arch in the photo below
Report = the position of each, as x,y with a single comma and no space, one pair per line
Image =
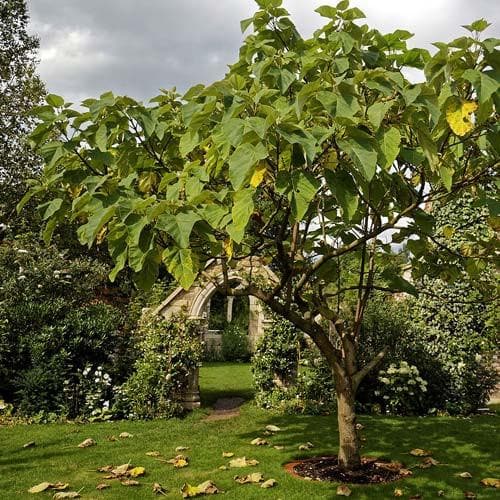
195,302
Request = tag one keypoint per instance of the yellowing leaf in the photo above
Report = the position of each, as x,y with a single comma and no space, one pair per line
228,247
428,462
153,454
40,487
227,454
255,477
147,181
130,482
29,445
121,470
102,486
179,461
181,448
137,471
458,115
66,494
272,428
419,452
125,435
159,489
398,492
490,481
465,475
88,442
278,447
258,174
259,442
343,491
270,483
206,488
306,446
242,462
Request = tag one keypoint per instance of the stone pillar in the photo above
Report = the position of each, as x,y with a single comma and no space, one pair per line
191,397
229,310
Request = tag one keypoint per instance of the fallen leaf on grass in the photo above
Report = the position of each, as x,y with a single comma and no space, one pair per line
464,475
255,477
125,435
87,443
278,447
272,428
470,495
390,466
359,427
398,492
259,442
66,494
242,462
130,482
223,467
441,493
181,448
31,444
179,461
227,454
405,472
158,489
153,454
490,481
137,472
112,438
306,446
121,470
40,487
270,483
102,486
343,491
206,488
419,452
428,462
48,486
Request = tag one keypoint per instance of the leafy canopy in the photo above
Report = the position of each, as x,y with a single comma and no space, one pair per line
306,150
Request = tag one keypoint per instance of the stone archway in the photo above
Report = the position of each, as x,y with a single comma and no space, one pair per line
195,302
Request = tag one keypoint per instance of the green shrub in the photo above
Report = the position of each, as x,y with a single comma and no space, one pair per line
169,351
52,326
446,338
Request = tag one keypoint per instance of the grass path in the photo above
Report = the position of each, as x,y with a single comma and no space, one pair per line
462,444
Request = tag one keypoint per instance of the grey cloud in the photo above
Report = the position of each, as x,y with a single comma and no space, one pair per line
135,48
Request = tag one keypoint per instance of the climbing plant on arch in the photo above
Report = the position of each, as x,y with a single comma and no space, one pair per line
308,150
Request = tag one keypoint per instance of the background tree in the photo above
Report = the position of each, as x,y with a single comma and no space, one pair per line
308,151
20,90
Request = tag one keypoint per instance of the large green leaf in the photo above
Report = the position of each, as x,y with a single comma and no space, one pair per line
301,187
178,226
242,210
484,84
242,161
388,142
376,112
344,189
181,265
362,149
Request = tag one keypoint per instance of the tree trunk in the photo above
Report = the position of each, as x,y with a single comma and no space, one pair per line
349,446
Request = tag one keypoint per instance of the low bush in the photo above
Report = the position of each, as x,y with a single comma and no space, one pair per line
52,326
169,350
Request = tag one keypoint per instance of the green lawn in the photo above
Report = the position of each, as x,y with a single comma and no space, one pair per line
459,444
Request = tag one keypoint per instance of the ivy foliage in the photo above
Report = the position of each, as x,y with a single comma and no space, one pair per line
169,351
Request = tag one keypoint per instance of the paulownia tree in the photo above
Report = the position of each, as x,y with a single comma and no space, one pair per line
307,151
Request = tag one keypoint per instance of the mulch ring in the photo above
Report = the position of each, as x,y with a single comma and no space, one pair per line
373,470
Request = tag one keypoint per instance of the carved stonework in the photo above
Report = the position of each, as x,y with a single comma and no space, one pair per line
195,302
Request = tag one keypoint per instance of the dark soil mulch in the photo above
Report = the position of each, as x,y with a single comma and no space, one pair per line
373,470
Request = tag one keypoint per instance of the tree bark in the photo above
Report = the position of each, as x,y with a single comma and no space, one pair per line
349,446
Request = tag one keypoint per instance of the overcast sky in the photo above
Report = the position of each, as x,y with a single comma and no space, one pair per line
137,47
